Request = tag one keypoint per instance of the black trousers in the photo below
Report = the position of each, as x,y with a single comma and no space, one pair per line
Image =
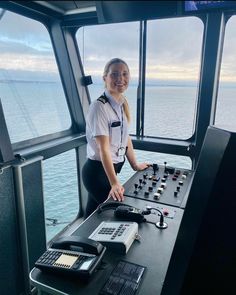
96,183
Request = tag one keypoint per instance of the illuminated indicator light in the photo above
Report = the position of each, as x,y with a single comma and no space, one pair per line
165,212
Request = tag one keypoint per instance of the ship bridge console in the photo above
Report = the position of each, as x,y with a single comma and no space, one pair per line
174,233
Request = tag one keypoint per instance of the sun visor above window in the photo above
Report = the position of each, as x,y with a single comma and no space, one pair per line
123,11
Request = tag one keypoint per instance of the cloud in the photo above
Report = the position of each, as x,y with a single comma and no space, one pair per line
166,49
22,47
15,26
29,62
25,46
173,47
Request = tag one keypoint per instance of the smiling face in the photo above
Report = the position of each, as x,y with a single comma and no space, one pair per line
117,79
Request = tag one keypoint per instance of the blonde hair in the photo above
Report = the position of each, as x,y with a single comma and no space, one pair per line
105,72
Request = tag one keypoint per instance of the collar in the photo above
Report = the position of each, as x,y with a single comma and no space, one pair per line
112,100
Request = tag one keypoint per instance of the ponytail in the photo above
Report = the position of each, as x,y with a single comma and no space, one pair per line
126,110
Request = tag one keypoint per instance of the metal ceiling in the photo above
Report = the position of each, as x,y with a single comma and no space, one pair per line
68,7
89,12
55,9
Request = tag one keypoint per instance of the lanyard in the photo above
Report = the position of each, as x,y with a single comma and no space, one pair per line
122,122
103,98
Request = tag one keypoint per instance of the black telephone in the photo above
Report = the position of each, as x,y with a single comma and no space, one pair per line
123,211
72,255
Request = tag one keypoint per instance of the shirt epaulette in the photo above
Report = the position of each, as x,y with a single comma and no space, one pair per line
103,99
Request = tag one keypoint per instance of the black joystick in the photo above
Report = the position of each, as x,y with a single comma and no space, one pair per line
145,176
140,183
155,168
136,187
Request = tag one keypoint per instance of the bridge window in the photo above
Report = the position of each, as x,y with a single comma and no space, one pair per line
30,86
60,192
98,44
172,73
172,69
226,107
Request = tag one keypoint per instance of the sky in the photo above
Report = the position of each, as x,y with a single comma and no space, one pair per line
167,51
173,48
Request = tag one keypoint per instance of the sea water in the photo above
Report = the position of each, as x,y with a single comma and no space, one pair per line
169,112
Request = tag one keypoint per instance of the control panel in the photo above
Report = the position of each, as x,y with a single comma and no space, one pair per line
160,184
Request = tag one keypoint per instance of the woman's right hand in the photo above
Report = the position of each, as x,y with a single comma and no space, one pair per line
117,192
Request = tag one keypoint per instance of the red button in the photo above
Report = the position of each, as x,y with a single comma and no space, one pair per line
165,212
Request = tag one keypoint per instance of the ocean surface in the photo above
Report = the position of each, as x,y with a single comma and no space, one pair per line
37,108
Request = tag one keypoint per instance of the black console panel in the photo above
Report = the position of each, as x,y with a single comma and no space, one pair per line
160,184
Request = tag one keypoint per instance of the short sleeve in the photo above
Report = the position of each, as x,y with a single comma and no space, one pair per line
98,119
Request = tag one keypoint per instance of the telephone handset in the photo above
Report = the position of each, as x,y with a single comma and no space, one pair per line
88,245
109,205
123,211
72,255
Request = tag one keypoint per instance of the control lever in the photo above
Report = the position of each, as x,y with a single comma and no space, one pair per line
155,168
161,224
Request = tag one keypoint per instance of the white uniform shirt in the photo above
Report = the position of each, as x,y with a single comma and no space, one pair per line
103,119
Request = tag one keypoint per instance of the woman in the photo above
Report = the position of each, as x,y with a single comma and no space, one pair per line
108,138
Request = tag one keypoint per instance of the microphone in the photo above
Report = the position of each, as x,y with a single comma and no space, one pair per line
161,224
